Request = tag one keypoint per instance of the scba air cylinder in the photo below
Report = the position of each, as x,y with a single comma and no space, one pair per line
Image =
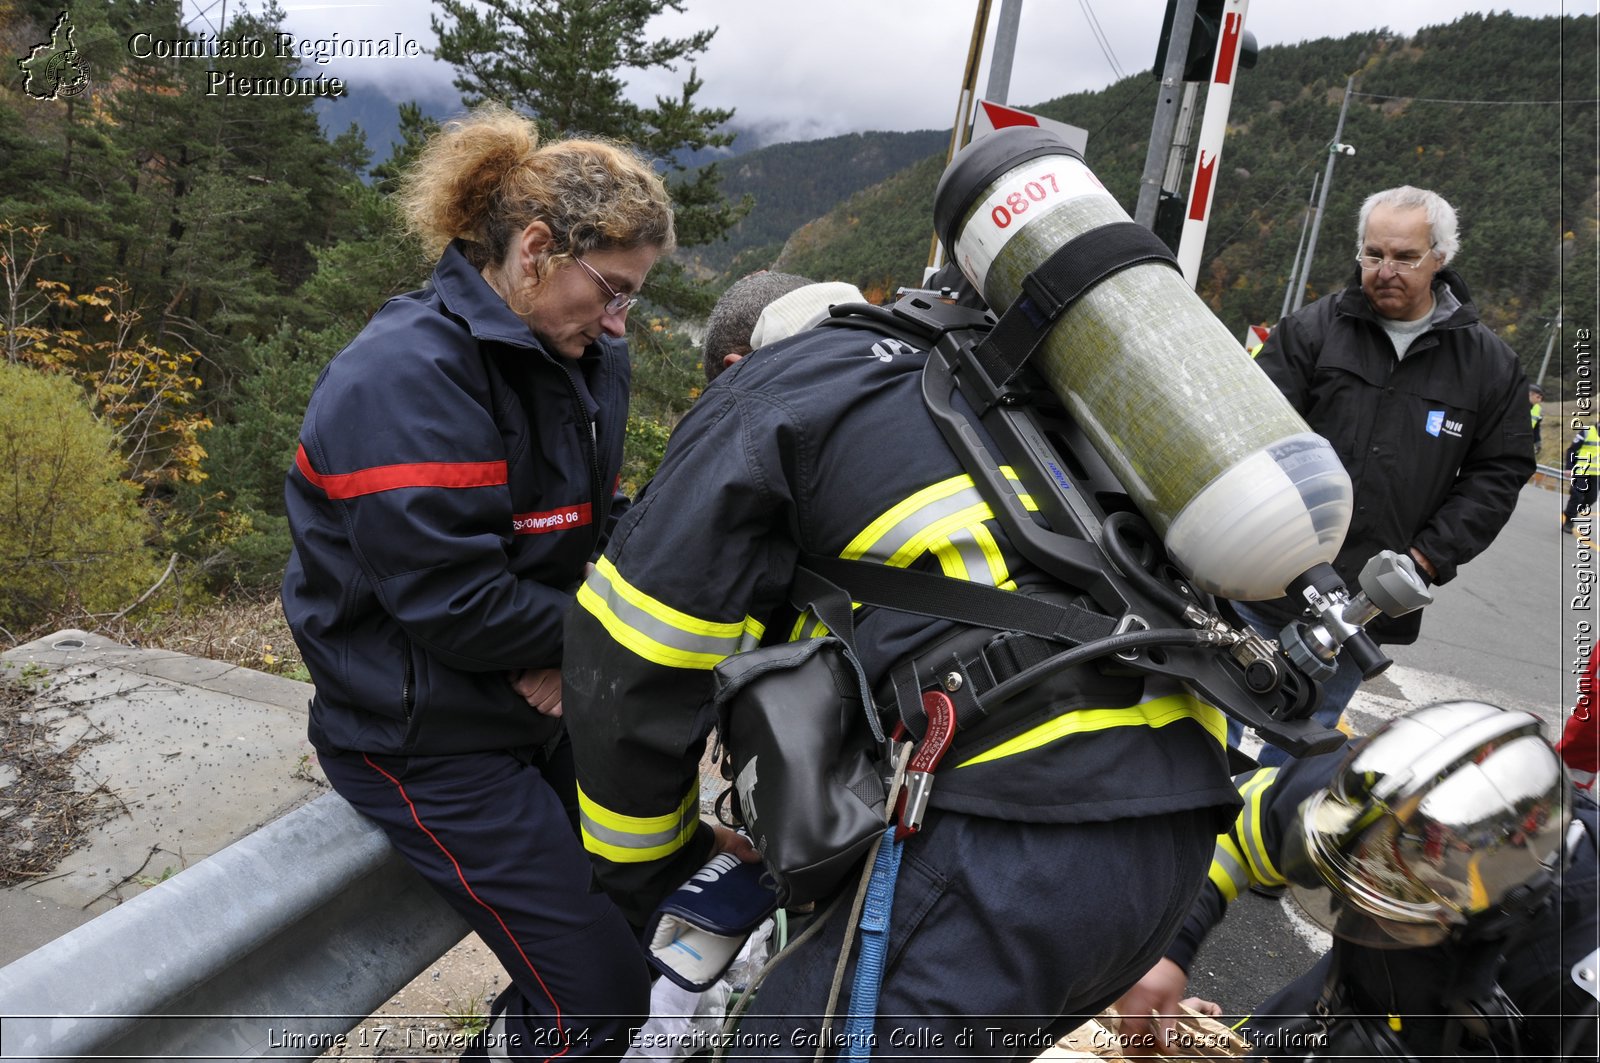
1245,495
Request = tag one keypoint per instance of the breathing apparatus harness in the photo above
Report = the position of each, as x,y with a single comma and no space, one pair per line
1141,611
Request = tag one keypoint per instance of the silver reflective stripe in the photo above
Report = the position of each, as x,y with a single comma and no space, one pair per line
656,631
628,839
909,529
1249,836
1237,874
962,556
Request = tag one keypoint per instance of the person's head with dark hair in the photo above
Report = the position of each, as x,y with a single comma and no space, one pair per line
734,317
764,308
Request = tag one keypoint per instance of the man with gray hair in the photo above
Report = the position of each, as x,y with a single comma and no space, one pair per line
1424,404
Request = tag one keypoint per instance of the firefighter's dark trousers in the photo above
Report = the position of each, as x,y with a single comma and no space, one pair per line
495,835
1004,936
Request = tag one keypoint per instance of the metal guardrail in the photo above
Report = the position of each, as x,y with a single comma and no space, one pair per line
242,956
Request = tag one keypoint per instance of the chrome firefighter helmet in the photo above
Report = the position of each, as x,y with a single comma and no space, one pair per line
1445,815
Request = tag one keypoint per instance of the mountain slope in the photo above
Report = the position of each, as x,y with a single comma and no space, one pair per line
1496,112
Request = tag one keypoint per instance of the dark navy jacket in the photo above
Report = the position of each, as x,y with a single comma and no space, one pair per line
452,480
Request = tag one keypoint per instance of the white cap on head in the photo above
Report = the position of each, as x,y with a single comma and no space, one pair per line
800,310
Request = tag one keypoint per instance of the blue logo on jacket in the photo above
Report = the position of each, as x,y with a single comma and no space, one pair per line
1435,422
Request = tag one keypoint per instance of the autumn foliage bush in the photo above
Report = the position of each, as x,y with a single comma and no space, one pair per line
72,534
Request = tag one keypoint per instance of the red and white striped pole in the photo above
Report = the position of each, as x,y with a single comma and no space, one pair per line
1213,127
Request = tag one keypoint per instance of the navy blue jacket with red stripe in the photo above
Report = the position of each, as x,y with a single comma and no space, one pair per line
452,480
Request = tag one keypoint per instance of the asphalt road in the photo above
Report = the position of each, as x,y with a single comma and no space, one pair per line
1503,631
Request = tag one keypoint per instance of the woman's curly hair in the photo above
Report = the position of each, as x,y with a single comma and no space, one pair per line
485,177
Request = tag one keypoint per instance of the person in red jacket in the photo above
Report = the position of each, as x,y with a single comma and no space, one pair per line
454,478
1580,739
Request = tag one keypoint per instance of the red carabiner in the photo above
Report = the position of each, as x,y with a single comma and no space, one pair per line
941,712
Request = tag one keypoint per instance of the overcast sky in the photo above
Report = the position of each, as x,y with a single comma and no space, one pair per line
814,68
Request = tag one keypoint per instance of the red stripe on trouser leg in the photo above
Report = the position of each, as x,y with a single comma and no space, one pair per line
461,876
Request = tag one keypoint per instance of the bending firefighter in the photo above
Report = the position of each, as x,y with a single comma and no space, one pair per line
1457,873
1012,920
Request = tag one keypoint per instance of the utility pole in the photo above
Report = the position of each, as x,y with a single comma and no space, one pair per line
1005,48
1166,119
958,134
1555,331
1336,147
1295,278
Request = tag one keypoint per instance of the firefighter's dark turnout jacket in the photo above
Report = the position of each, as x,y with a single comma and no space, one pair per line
821,444
448,490
1410,985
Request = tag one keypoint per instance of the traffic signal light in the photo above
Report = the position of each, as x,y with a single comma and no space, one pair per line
1203,37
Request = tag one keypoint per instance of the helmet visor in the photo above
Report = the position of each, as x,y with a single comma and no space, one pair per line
1345,920
1343,872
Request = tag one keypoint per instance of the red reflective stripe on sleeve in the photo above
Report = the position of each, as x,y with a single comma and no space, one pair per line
552,520
389,477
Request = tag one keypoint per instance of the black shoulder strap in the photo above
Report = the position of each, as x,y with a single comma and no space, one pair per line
945,598
1057,283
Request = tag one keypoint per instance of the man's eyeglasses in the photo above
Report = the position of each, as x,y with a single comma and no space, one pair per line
1399,265
617,301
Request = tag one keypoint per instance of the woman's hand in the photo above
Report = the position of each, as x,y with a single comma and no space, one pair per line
539,687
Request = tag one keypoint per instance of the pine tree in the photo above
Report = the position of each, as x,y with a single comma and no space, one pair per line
562,62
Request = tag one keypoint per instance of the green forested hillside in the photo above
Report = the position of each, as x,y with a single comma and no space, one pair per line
1496,113
790,184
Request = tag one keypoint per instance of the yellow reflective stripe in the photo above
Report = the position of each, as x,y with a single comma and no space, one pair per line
1228,872
656,631
911,527
1016,485
1156,712
626,839
1248,827
1477,892
973,554
875,532
943,528
950,559
798,632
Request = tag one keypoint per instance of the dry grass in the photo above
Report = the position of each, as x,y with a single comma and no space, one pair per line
247,630
241,628
43,814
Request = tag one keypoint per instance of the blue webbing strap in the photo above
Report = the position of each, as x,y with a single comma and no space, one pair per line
874,950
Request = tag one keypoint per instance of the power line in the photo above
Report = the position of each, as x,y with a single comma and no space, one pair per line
1480,103
1138,94
1100,38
